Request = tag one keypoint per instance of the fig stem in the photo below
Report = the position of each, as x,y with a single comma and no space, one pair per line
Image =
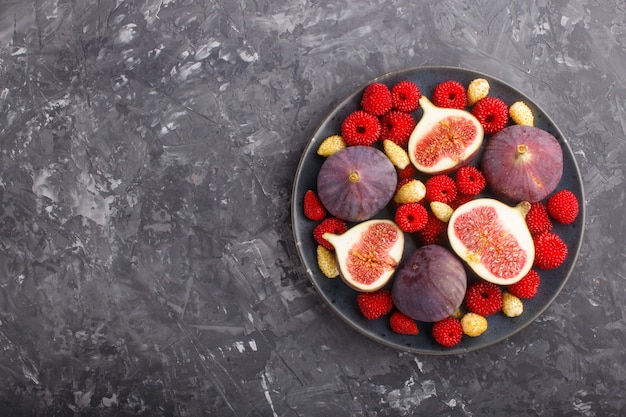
353,177
524,207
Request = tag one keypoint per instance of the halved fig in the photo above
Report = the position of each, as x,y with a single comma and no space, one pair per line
355,183
493,239
368,253
444,139
522,163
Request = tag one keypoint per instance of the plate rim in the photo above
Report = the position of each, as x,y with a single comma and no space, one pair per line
445,351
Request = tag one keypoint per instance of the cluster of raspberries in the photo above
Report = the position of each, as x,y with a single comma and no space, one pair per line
386,113
386,116
442,192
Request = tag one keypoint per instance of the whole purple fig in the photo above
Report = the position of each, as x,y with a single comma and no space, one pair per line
430,285
357,182
522,163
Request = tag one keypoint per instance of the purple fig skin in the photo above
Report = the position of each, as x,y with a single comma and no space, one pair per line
530,176
430,285
356,183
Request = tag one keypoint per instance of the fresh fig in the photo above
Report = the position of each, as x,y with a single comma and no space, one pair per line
493,239
368,253
430,284
522,163
355,183
444,139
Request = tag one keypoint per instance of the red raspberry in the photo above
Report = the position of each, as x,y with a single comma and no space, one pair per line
375,304
440,188
550,250
434,230
562,206
397,127
460,200
450,94
376,99
537,219
448,332
360,128
492,113
313,207
329,225
411,217
403,324
527,287
484,298
402,182
470,180
405,96
407,173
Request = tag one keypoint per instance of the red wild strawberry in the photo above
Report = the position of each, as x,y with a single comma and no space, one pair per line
403,324
405,96
411,217
492,113
448,332
440,188
537,219
550,250
450,94
484,298
313,207
375,304
562,206
407,173
434,230
460,200
329,225
470,180
376,99
360,128
526,287
397,127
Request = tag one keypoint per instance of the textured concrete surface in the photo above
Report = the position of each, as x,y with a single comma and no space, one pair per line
147,154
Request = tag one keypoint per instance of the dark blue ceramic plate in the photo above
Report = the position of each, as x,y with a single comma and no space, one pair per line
342,299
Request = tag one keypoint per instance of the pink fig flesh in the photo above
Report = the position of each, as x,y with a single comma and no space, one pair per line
368,253
444,139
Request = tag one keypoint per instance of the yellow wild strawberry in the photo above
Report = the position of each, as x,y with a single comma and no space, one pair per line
327,262
511,305
331,145
477,90
521,114
474,324
411,191
396,154
442,211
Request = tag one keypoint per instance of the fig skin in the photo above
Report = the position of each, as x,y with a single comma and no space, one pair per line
356,183
430,284
522,163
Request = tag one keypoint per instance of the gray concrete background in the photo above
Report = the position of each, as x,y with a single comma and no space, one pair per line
147,154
